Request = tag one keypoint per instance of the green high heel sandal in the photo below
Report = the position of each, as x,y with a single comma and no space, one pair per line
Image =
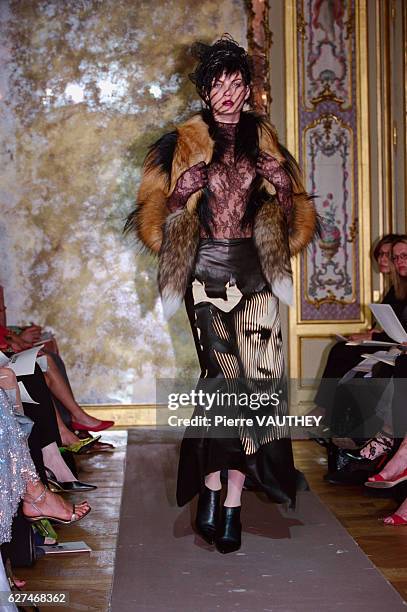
79,447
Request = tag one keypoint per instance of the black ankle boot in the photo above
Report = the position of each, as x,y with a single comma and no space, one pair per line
207,515
228,534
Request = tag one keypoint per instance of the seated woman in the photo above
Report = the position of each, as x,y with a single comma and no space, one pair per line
20,481
18,475
360,401
80,420
45,438
11,343
343,357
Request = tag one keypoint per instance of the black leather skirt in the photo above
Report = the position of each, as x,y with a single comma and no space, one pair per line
234,261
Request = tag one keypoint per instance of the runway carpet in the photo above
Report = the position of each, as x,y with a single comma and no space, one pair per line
289,561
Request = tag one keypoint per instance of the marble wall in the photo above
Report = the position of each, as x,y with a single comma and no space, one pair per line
85,86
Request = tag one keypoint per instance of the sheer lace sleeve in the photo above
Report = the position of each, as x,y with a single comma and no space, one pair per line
175,201
190,181
284,192
269,167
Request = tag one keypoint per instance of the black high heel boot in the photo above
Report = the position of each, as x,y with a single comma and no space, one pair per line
229,532
207,515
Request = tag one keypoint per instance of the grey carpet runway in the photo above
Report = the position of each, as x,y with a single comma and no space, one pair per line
289,561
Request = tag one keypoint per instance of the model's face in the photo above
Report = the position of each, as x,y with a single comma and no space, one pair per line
383,258
227,97
400,258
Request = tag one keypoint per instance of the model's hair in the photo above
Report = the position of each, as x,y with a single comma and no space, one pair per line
387,239
399,282
224,56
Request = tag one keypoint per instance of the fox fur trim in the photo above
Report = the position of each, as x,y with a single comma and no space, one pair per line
177,256
174,237
271,240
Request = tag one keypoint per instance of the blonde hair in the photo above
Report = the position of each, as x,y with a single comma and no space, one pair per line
399,282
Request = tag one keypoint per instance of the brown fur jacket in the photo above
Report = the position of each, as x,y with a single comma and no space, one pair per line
175,237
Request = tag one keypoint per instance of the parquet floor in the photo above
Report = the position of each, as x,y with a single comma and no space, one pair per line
88,578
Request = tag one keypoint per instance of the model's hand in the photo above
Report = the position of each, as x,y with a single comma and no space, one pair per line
16,343
196,177
271,169
192,179
31,334
268,167
361,336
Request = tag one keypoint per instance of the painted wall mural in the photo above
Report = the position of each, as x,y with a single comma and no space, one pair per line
85,87
326,48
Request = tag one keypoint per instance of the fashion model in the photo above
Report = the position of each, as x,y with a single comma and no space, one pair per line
222,203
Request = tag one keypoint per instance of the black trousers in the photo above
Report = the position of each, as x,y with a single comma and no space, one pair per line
45,428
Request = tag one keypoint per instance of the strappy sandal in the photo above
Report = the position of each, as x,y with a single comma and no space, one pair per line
378,482
35,519
81,446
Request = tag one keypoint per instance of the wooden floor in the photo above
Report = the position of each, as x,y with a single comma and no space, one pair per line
88,578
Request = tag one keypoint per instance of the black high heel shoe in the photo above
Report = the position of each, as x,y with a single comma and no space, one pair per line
229,533
66,487
345,469
207,515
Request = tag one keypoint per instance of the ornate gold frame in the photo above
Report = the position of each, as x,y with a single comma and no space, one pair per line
259,43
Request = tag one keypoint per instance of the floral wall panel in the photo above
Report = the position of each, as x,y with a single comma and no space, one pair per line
331,264
327,49
327,107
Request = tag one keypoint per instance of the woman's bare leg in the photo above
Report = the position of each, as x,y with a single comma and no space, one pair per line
235,487
212,481
58,387
49,504
53,460
67,436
